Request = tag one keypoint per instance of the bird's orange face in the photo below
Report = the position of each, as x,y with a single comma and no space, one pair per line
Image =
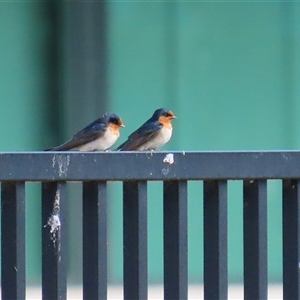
120,123
166,118
115,124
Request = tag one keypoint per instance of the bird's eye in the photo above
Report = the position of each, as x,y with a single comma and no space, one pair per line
167,114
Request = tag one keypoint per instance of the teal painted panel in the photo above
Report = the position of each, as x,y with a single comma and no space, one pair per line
230,73
136,59
24,32
137,72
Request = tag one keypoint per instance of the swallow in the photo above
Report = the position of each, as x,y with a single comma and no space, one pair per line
153,134
97,136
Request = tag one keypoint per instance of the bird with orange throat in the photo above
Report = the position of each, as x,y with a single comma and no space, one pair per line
153,134
97,136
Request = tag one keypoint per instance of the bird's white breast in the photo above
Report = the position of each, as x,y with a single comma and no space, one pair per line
102,143
160,139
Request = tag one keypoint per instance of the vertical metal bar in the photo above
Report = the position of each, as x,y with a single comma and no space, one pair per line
13,284
175,239
135,240
54,267
215,240
291,239
94,212
255,240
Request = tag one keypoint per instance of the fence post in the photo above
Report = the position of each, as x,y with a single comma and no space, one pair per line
54,252
255,240
94,241
135,240
13,240
175,239
291,239
215,240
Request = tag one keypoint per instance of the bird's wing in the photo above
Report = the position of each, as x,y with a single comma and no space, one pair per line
88,134
142,135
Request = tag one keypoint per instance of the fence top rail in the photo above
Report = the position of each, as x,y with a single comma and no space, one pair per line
148,165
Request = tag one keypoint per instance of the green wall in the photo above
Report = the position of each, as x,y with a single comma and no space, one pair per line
25,99
229,71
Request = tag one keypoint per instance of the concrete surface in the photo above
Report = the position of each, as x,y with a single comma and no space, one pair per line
156,292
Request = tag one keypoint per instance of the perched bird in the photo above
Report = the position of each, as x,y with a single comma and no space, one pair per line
153,134
99,135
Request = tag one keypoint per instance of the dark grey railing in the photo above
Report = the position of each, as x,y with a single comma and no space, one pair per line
54,169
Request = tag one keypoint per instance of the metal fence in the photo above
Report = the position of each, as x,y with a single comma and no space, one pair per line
94,170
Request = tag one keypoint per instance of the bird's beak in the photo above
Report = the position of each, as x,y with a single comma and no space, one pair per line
120,123
171,115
